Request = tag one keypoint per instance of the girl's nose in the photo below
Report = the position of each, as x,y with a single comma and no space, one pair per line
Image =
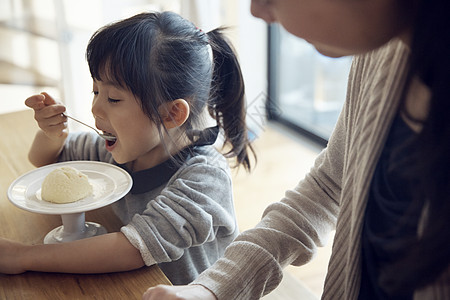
96,109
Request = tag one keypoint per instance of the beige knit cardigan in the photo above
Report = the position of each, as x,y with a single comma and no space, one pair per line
332,196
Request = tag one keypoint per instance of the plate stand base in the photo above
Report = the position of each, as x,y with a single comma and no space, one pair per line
74,228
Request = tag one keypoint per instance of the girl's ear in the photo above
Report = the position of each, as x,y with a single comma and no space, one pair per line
174,113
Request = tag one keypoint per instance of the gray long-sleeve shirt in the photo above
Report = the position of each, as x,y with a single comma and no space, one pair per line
180,217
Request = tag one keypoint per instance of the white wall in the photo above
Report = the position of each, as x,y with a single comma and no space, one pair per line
253,47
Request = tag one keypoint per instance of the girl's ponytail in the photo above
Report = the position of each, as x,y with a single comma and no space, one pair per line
170,59
227,100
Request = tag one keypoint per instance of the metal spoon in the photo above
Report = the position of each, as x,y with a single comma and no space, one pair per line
106,136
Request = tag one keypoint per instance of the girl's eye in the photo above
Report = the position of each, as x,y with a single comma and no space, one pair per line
110,100
95,92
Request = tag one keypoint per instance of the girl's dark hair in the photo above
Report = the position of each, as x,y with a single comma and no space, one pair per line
161,57
429,255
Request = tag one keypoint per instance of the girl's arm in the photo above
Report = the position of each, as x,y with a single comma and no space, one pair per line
101,254
50,139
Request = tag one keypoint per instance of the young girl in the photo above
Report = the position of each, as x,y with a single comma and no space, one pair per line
156,81
383,182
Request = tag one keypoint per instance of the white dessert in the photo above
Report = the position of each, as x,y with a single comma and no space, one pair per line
65,185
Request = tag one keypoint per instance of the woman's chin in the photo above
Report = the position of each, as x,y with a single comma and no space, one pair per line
329,53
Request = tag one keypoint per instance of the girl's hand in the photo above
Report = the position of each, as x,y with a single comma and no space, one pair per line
48,114
187,292
10,257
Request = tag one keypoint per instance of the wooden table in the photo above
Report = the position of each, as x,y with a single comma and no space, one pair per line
17,130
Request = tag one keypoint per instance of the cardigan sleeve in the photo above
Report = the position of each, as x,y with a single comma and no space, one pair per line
289,232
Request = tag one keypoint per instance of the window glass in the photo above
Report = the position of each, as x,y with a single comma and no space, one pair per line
307,90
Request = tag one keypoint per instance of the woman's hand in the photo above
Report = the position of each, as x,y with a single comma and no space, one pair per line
48,114
186,292
11,256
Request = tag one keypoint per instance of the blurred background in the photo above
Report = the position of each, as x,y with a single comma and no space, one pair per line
42,47
294,94
43,42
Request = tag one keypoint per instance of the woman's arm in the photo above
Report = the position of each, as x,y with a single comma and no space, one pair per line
101,254
50,139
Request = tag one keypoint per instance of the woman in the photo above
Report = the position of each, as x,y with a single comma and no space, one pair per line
382,182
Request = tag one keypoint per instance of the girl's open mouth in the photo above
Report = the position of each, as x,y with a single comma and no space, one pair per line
111,140
110,143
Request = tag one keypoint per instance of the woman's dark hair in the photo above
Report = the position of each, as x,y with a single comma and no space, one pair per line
429,255
161,57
